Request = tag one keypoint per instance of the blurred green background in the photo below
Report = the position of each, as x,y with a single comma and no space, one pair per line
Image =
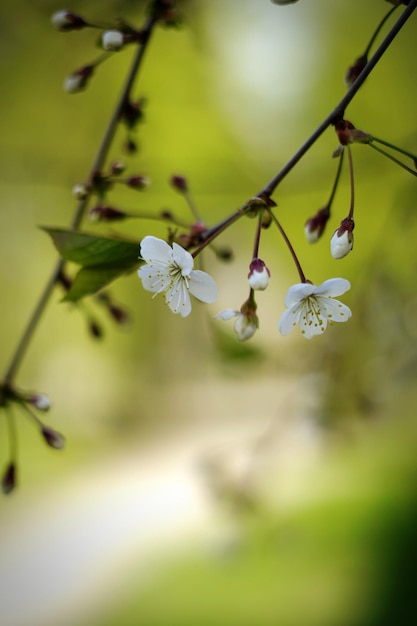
206,481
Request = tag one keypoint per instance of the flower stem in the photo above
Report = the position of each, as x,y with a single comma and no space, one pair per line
12,435
413,157
258,235
290,248
378,30
336,181
392,158
81,207
352,182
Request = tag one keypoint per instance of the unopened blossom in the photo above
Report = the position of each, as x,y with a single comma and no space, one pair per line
245,324
112,40
169,271
314,226
40,401
342,241
314,307
77,81
258,276
67,20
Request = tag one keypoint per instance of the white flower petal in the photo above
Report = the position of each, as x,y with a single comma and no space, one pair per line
298,292
183,259
334,310
228,314
178,299
202,286
154,249
332,287
153,279
289,320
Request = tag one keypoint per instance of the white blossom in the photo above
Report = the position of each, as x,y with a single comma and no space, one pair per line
313,308
169,271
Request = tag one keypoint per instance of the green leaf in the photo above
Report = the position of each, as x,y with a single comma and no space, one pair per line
94,250
91,279
102,259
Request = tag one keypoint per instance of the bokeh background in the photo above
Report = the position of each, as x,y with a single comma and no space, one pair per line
206,481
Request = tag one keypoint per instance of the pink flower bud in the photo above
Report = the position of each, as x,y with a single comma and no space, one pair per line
258,275
179,183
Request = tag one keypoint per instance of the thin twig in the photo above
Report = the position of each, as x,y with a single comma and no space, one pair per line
81,207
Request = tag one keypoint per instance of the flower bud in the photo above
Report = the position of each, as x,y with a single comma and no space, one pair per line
105,214
67,20
347,133
138,182
354,70
314,227
112,40
80,191
8,482
258,275
95,329
342,241
77,81
117,168
40,401
246,326
179,183
53,438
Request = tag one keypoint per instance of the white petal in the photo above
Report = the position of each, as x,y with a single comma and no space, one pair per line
153,279
178,299
298,292
312,325
202,286
334,310
183,259
289,319
154,249
228,314
332,287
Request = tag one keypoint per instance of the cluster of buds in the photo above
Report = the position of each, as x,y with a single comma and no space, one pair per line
112,40
101,184
32,404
